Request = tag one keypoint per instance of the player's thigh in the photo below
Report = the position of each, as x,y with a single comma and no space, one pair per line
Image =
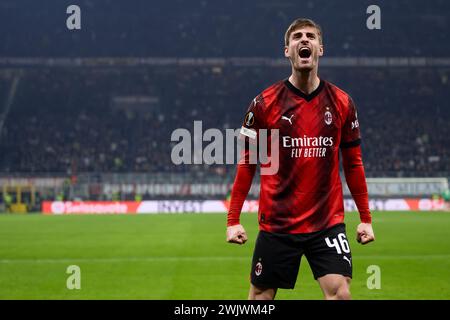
276,261
329,253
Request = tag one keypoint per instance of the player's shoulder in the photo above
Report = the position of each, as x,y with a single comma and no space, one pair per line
273,90
269,95
343,99
258,109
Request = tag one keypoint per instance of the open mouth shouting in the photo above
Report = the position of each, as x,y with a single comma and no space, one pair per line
304,52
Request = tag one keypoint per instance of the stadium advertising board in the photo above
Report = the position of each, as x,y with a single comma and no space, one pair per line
89,207
378,187
181,206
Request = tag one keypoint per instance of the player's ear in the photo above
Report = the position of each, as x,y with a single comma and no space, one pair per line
321,50
286,49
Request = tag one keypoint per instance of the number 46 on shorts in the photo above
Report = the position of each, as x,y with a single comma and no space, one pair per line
341,243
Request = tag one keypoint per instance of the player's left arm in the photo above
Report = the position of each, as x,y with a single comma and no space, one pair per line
356,181
355,175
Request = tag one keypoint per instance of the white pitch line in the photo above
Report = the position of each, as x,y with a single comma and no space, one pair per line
213,258
119,259
405,257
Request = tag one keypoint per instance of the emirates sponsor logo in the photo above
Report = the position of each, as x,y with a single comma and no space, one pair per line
307,147
305,141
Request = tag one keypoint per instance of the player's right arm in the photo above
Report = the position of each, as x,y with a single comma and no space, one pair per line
244,174
242,183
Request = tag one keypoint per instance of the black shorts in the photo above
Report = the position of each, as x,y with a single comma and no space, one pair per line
276,259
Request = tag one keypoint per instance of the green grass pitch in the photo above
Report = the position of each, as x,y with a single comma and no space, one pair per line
185,256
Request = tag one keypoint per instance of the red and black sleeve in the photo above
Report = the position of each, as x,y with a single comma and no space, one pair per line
353,164
246,168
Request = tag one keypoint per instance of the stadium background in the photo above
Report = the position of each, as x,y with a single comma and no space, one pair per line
86,118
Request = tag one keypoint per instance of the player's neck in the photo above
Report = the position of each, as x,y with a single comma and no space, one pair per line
306,82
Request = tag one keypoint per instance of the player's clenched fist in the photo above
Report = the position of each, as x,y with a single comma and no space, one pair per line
364,233
236,234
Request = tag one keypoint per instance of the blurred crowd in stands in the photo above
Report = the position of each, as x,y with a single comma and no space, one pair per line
73,120
232,28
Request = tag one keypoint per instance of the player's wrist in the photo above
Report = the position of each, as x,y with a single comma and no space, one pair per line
365,217
233,222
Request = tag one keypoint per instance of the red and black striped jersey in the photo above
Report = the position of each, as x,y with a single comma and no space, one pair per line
305,193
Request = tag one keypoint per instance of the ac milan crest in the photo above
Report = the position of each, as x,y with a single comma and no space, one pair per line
328,117
258,268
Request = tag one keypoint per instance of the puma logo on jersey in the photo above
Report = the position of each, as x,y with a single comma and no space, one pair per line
349,262
288,119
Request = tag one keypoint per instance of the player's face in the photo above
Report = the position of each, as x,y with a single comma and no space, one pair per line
304,49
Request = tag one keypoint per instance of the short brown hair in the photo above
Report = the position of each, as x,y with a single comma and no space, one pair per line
302,22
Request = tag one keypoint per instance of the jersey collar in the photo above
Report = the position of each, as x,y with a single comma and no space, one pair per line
307,97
